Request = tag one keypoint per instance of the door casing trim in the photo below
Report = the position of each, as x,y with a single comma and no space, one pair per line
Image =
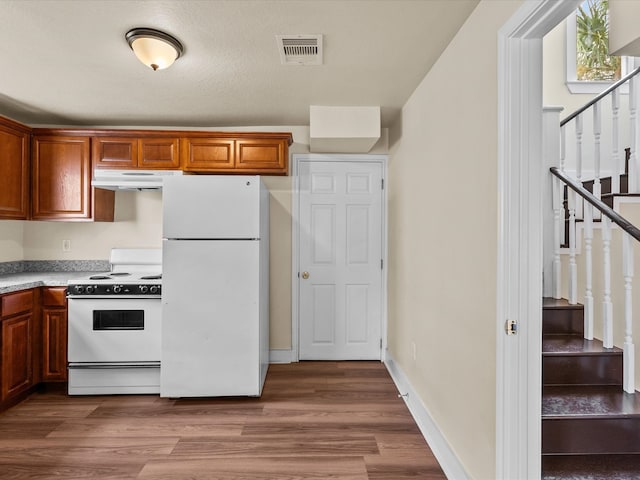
519,268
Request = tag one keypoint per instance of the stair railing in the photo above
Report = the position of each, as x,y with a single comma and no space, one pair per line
577,117
575,159
631,232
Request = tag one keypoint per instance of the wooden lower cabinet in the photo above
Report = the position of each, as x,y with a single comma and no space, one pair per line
17,368
33,341
54,334
16,344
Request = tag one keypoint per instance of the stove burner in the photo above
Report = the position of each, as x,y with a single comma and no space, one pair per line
152,277
99,277
119,274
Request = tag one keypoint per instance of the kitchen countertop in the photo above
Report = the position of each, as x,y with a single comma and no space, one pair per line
14,282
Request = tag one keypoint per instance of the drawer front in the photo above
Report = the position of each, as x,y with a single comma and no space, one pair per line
16,303
54,296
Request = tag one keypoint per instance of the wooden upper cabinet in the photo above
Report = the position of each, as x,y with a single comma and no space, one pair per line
14,165
207,154
249,154
150,153
61,181
61,178
263,155
115,152
158,153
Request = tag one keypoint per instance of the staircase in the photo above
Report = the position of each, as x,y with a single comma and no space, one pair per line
590,426
590,406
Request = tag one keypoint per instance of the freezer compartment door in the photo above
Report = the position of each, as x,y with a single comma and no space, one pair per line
210,206
210,318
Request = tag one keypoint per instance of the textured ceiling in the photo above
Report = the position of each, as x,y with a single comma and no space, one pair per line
66,62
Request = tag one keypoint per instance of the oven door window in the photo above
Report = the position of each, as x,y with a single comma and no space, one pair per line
118,319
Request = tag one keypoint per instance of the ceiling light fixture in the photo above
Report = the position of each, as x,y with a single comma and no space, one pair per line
156,49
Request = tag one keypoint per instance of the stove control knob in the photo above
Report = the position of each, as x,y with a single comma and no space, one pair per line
79,289
117,288
90,288
153,289
143,289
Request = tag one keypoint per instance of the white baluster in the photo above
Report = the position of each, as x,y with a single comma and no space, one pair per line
588,294
597,130
607,306
558,224
578,200
629,348
615,142
633,114
578,147
573,268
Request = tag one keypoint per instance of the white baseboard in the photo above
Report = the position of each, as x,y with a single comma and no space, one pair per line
280,356
448,460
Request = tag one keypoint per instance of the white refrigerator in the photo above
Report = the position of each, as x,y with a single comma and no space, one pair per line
215,286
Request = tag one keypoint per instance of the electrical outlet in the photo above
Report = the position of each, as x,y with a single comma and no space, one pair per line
66,245
413,351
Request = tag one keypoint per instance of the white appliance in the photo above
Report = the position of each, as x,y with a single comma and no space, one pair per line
215,297
114,326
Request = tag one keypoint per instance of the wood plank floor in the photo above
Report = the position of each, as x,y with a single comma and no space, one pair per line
314,421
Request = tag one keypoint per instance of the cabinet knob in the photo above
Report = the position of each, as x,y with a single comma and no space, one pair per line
305,275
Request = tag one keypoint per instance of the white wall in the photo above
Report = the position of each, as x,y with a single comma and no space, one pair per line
11,240
555,91
137,223
443,211
624,38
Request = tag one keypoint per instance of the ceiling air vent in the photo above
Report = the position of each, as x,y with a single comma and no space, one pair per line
300,49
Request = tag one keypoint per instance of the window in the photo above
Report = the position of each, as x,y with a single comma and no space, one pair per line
590,68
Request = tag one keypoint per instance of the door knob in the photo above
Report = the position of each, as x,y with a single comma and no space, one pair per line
305,275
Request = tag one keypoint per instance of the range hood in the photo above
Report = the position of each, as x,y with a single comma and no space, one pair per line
131,179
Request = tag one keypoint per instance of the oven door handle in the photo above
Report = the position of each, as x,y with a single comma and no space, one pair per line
115,365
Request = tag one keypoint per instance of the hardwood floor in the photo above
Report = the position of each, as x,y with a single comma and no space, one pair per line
314,421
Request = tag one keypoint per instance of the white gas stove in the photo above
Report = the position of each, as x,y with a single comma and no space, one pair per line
114,326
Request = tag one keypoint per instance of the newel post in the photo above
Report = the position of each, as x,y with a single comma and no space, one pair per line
552,201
